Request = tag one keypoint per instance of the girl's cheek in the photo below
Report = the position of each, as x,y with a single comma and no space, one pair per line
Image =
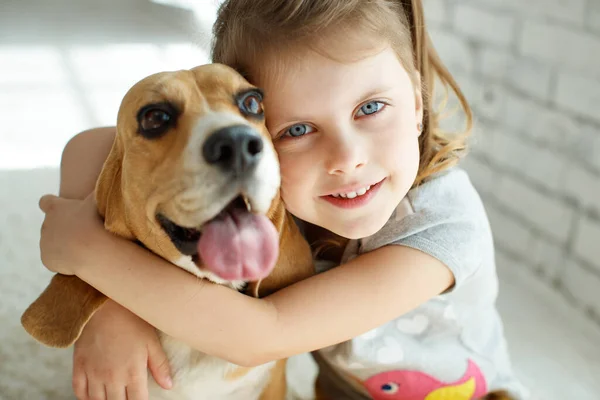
289,172
292,195
401,148
291,178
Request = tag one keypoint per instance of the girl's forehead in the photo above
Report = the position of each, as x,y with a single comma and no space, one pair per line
278,69
348,47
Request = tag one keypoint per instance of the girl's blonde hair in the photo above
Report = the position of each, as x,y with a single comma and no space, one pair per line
246,29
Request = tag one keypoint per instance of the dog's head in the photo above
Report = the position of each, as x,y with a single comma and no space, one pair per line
193,174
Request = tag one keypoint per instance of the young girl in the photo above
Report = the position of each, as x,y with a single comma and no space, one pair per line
408,312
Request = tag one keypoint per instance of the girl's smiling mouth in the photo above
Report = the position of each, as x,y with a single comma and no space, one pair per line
353,197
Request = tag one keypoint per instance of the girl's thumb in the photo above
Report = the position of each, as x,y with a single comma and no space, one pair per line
46,202
159,365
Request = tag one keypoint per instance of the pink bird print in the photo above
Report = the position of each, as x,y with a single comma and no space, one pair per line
414,385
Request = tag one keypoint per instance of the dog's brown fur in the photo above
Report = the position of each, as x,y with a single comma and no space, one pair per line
127,198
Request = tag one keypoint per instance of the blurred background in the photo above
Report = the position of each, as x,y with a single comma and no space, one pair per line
529,68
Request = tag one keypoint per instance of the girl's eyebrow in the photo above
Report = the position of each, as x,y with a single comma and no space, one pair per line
374,92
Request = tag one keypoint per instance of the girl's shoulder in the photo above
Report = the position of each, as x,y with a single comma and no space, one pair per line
447,199
443,217
450,190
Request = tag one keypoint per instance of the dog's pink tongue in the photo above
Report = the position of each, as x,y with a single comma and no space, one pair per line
239,246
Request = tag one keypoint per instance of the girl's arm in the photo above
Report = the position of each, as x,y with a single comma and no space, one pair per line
116,348
320,311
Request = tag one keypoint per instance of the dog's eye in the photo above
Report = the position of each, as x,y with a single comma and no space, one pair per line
155,120
251,103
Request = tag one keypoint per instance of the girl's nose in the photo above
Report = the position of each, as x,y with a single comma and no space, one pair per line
346,153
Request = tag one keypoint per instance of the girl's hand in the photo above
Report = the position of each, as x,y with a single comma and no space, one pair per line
69,228
113,354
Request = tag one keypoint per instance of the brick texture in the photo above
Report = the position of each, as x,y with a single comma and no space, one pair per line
530,71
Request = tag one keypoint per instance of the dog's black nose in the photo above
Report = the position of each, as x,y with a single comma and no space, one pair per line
236,149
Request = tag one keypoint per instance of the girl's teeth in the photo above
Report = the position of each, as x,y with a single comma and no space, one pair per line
352,195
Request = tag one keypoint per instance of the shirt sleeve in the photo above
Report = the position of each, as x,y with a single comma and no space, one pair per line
457,244
447,220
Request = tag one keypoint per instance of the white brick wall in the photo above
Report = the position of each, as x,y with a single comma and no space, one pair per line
583,185
582,284
593,15
480,24
454,50
579,94
572,11
578,49
544,213
531,70
586,243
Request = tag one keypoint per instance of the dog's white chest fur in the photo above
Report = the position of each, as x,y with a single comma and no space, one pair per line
200,377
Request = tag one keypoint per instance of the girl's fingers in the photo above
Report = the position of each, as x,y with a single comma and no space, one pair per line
137,391
46,202
96,390
80,386
115,392
159,366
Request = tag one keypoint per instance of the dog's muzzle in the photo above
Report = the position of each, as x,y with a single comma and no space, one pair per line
239,243
234,149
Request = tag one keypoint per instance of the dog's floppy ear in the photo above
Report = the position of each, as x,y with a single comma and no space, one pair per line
60,313
109,193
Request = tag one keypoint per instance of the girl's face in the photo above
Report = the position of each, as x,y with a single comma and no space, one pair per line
347,137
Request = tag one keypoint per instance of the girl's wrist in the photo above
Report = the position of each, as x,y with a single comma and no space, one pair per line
94,243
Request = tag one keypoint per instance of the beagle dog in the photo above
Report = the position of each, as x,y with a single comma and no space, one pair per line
193,177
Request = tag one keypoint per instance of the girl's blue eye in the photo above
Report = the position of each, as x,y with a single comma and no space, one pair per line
370,108
298,130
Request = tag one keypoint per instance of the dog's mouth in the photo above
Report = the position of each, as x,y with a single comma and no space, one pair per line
235,245
186,239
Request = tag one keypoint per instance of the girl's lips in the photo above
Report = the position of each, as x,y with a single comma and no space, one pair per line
356,202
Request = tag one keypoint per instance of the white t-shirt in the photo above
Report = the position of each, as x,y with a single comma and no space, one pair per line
451,347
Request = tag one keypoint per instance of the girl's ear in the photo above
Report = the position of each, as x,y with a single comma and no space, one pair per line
418,100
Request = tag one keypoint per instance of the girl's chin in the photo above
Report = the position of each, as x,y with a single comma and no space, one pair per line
357,229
